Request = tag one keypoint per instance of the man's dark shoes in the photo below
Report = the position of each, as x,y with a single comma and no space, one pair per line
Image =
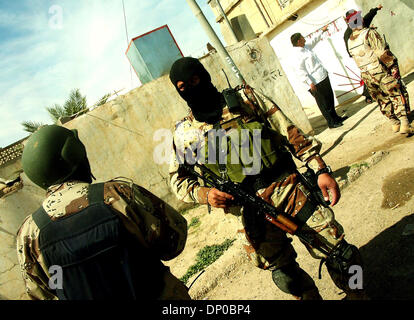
340,119
335,125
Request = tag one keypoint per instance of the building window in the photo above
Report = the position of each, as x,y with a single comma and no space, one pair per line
284,3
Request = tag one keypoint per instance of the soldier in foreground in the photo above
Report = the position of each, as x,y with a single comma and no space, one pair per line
380,72
105,240
276,179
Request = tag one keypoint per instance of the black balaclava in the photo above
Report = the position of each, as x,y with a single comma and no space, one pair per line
204,100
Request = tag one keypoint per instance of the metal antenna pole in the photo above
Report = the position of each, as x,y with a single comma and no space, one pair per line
228,61
223,14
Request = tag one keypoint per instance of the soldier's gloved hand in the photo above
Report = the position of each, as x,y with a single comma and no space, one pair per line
327,182
219,199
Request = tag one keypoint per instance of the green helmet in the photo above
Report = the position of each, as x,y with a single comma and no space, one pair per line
53,154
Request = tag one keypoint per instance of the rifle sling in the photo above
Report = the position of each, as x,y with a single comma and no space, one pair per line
305,212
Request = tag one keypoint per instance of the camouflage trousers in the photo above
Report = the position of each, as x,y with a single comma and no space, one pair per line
268,247
390,94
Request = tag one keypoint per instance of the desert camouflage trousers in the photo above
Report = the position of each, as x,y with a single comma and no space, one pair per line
390,94
268,247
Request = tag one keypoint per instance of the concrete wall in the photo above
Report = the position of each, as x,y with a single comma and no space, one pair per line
264,73
119,136
11,169
13,210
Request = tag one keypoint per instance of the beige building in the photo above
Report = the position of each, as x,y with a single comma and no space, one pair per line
261,16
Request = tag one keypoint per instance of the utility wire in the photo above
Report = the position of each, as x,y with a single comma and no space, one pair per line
127,37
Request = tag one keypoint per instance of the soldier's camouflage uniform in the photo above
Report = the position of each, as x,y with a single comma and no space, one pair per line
143,215
272,249
376,62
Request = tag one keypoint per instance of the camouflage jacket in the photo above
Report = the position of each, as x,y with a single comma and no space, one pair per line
376,43
148,218
188,131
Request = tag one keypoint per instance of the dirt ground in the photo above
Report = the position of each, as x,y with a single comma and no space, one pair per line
374,168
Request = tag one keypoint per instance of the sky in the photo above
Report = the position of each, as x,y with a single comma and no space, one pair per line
49,47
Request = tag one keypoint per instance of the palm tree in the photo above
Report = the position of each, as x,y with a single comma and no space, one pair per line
76,104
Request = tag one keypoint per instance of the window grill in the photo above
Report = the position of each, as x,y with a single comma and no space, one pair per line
11,152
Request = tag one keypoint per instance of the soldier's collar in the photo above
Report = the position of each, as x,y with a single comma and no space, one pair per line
59,187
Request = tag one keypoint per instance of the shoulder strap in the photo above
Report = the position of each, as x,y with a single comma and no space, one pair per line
41,218
96,193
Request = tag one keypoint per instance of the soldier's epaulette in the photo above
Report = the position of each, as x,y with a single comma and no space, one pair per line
177,124
189,118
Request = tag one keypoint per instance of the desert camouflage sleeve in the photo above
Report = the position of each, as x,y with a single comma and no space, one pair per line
32,266
184,186
303,147
377,43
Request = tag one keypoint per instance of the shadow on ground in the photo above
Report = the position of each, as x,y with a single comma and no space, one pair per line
319,123
389,263
342,173
408,78
341,137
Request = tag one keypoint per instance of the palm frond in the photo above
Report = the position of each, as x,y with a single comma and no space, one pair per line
56,112
104,99
31,126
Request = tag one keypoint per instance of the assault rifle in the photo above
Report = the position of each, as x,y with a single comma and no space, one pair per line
399,79
262,208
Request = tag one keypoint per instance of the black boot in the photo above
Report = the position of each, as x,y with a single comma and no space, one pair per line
339,263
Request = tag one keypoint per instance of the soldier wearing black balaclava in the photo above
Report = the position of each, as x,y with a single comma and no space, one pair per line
276,179
204,100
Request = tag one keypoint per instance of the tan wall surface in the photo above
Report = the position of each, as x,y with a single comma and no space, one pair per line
13,210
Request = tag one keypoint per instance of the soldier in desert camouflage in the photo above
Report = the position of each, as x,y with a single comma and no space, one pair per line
276,181
107,238
380,72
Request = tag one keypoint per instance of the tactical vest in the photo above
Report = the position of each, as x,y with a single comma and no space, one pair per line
100,259
247,149
363,54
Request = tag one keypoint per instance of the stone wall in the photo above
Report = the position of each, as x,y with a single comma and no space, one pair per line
13,210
